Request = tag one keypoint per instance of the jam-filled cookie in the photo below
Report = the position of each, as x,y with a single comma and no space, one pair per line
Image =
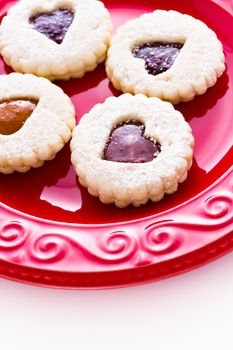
131,149
56,39
165,54
36,120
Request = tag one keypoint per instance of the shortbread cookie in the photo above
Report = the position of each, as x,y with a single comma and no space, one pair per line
36,120
131,149
56,39
165,54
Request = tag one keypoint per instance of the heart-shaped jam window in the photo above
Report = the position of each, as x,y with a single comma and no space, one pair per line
127,144
53,24
158,57
14,113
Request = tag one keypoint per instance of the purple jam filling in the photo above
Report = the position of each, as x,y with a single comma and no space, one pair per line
158,57
53,24
127,144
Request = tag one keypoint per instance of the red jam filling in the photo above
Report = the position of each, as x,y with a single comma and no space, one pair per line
127,144
53,24
158,57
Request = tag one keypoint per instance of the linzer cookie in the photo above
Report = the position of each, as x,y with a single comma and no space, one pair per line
132,149
165,54
36,120
55,39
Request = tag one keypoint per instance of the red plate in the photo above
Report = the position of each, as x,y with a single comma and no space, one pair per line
53,233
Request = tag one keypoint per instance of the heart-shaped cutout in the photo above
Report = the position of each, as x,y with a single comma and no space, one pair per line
54,25
158,57
127,144
14,113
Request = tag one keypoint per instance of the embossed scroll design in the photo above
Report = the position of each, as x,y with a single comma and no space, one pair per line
166,236
13,235
219,206
116,247
123,246
161,237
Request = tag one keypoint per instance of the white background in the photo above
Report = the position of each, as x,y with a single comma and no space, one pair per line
191,311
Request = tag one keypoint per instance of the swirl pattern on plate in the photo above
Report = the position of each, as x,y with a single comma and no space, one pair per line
150,242
13,235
